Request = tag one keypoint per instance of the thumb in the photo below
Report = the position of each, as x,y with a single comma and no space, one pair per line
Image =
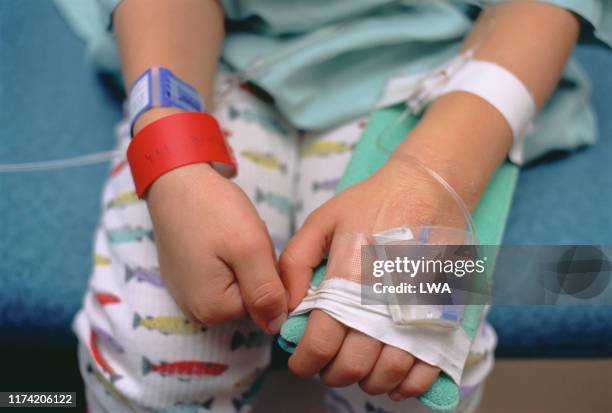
261,288
304,252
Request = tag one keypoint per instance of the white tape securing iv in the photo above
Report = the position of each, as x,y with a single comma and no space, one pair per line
492,82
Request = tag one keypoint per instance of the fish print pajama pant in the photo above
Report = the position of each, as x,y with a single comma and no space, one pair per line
138,353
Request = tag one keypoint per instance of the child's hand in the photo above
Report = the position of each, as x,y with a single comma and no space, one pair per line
396,195
215,255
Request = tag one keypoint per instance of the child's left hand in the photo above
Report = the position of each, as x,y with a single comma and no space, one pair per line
398,194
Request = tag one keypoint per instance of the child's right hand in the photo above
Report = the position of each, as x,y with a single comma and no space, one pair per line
215,255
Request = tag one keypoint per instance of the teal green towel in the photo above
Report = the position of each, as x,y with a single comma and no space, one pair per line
490,217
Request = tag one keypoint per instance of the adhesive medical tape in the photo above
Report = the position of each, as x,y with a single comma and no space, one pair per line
500,88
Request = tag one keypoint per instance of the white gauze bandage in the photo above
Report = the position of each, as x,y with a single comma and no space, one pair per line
421,330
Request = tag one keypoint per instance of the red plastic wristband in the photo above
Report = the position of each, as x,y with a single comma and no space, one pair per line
174,141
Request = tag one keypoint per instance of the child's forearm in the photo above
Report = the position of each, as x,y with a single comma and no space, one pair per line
463,137
182,35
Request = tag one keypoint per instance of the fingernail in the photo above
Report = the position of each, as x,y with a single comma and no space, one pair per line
274,326
396,396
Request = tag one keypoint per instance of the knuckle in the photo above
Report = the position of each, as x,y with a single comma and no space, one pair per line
214,311
414,387
234,311
317,214
319,350
343,374
396,370
315,219
203,315
330,380
267,297
370,389
286,261
250,244
298,369
354,371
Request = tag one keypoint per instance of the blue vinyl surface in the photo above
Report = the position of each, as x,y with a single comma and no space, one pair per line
54,105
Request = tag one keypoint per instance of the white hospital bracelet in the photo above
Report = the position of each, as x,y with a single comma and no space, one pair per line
493,83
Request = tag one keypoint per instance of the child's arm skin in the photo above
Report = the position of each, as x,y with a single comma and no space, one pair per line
464,139
215,253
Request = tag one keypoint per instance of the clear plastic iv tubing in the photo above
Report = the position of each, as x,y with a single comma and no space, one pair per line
249,72
259,65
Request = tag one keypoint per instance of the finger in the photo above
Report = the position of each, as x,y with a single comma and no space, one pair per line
210,303
389,371
219,309
304,252
354,361
420,378
319,345
262,291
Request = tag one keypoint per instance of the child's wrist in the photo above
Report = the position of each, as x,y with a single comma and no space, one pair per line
180,181
174,140
452,168
463,139
152,115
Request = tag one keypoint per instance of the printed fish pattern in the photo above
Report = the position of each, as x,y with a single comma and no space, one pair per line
105,298
168,325
248,397
127,269
281,203
101,260
265,160
267,122
247,379
187,407
107,339
251,340
183,369
123,199
324,148
333,399
370,408
128,233
100,361
151,277
326,185
110,389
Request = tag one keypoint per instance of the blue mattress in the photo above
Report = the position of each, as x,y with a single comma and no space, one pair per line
54,105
